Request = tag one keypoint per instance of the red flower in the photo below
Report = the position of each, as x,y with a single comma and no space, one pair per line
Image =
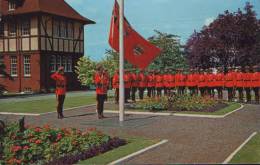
31,140
59,136
26,147
16,148
46,126
38,142
91,129
37,129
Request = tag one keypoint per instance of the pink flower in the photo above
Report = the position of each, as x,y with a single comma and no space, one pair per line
38,142
26,147
59,136
37,129
16,148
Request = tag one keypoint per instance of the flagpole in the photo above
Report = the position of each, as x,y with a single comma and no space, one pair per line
121,61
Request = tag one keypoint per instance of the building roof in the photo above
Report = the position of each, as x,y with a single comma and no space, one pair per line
55,7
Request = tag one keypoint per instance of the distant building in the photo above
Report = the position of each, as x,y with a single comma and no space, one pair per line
36,37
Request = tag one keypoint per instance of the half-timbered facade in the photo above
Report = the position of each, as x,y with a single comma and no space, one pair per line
37,37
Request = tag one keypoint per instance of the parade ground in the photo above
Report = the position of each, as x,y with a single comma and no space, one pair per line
188,139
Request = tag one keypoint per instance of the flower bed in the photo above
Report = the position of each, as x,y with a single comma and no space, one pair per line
181,103
45,145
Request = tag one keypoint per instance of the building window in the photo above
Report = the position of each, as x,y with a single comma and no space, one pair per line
27,66
56,28
25,28
64,61
12,29
53,64
59,61
13,67
1,29
69,64
11,5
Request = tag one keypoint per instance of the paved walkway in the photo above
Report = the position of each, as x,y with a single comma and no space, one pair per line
191,140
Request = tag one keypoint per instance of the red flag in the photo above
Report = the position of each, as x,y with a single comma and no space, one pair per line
138,51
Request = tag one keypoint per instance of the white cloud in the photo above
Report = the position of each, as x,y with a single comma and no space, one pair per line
208,21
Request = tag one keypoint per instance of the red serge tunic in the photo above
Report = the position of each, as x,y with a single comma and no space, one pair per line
219,80
165,80
192,80
255,80
134,79
159,80
210,80
202,81
101,82
115,81
142,80
61,83
240,80
127,80
172,80
150,79
230,80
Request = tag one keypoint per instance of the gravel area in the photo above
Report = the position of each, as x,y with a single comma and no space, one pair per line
191,140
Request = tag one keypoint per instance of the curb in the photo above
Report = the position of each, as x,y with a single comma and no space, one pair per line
137,153
19,114
229,158
177,114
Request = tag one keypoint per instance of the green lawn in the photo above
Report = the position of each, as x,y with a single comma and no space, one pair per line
134,145
45,105
250,153
230,108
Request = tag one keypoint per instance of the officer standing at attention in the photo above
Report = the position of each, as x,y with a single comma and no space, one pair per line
61,84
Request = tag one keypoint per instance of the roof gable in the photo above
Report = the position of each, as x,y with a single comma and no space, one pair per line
55,7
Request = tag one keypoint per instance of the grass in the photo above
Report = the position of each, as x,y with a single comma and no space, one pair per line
134,145
250,153
45,105
231,107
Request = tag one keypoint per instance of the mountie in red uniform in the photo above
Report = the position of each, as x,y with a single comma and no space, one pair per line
142,84
115,84
134,85
61,83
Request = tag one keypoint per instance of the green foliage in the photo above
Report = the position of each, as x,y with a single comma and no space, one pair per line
177,103
172,55
85,69
45,144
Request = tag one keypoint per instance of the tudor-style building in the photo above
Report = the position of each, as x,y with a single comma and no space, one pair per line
36,37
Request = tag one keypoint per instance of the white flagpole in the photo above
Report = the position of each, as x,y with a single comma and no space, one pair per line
121,62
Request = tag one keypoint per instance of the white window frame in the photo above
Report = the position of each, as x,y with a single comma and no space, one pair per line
26,27
64,63
13,66
27,66
11,5
53,63
69,64
12,29
59,61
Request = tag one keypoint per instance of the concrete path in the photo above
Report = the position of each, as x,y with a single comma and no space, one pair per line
191,140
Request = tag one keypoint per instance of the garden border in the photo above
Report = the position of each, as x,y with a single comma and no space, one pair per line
178,114
230,157
138,152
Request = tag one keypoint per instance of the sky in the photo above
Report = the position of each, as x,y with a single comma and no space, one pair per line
179,17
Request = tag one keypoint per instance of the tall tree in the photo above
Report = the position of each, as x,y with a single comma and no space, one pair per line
85,69
172,55
230,40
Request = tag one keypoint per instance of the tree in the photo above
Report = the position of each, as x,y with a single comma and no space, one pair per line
171,56
230,40
85,69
